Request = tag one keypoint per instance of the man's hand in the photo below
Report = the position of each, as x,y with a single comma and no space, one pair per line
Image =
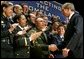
27,28
35,35
12,27
65,52
53,47
51,56
21,32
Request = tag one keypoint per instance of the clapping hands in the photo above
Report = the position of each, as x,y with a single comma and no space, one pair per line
21,32
12,27
35,35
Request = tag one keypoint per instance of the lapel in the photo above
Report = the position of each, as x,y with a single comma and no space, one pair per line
45,37
59,38
72,20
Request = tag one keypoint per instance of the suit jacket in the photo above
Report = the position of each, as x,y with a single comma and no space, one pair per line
56,39
5,25
6,38
74,35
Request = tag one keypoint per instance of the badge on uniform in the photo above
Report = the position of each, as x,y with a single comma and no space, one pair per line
2,22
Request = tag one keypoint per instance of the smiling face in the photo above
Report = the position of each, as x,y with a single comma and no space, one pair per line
61,30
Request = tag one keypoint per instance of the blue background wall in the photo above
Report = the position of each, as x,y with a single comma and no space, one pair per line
48,7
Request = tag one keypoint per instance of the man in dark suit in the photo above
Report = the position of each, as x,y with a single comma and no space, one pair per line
6,30
74,32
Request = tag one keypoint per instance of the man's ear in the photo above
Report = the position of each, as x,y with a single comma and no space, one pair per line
17,20
4,9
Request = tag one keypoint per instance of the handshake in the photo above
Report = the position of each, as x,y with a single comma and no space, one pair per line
12,27
65,52
52,47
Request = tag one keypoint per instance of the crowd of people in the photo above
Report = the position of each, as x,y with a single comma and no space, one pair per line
28,34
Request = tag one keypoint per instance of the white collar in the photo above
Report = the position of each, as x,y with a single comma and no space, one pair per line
71,15
44,29
61,36
23,27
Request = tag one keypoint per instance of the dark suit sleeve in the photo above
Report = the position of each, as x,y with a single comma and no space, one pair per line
4,33
43,46
77,34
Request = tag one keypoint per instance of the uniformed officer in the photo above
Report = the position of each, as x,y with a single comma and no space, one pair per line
39,41
21,41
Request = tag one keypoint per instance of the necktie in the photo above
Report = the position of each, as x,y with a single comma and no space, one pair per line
62,38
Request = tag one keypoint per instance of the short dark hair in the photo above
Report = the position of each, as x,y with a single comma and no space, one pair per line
18,16
55,19
61,25
6,4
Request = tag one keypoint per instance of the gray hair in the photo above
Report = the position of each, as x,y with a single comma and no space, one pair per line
68,6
